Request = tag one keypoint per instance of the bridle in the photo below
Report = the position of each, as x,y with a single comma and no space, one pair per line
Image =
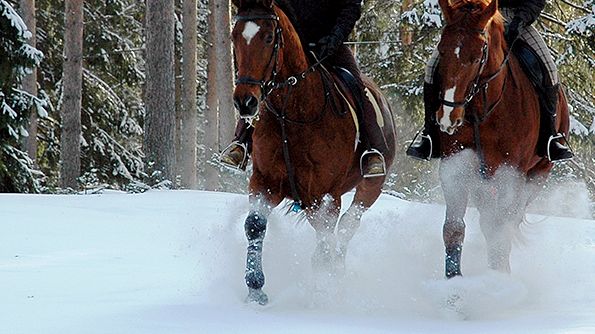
270,85
266,86
476,87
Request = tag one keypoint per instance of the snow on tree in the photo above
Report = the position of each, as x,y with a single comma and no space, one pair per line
112,109
17,59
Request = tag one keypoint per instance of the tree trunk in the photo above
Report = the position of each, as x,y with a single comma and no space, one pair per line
30,81
70,144
189,112
406,30
211,127
226,112
160,87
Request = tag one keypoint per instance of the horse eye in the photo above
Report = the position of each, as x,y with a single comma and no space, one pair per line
268,39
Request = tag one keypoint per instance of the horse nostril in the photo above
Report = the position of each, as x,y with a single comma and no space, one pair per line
459,122
251,102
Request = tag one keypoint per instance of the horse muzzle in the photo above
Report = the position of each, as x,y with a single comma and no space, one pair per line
247,106
450,119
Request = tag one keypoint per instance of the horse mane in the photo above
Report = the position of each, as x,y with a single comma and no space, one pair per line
465,11
287,8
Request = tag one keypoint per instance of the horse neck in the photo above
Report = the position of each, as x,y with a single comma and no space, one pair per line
293,62
497,54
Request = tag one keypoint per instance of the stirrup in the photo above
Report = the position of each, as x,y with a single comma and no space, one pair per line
554,138
418,134
242,165
361,163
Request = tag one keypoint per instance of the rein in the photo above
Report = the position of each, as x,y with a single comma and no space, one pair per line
476,88
268,86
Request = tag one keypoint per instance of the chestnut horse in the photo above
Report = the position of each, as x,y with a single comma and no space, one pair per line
304,147
489,117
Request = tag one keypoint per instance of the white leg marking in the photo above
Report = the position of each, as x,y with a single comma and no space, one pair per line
458,52
250,30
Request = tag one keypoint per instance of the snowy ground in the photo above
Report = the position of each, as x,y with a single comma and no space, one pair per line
172,262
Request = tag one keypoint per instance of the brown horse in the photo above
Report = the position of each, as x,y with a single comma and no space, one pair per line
489,119
304,146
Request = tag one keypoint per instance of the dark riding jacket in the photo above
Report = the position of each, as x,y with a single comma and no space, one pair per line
526,10
319,18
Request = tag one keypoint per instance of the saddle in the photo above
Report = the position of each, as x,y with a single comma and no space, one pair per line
532,65
349,91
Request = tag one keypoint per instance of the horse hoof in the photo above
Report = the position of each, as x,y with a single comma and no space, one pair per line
257,296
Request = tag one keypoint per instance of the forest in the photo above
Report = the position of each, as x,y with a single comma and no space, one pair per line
80,111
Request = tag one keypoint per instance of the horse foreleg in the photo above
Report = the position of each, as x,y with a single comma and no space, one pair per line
324,220
453,231
366,194
255,229
498,235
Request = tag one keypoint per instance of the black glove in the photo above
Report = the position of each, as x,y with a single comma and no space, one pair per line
513,30
328,45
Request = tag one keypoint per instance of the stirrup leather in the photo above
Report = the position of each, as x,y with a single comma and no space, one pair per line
421,135
554,138
242,165
362,159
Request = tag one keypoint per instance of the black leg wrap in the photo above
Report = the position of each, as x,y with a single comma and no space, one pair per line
453,261
255,227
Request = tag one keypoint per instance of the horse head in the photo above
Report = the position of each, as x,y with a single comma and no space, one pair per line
257,40
464,53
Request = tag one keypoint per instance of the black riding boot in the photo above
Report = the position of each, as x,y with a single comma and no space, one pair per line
236,154
556,150
428,144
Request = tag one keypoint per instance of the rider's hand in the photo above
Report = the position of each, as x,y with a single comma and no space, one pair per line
513,30
327,45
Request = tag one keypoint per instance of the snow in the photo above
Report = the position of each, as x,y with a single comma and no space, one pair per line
172,262
15,20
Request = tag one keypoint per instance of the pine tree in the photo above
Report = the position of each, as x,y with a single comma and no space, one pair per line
17,58
112,109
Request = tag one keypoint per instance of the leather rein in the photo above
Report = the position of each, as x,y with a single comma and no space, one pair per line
482,88
270,85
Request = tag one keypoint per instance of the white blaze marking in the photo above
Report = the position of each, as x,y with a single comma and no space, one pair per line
457,52
250,30
449,95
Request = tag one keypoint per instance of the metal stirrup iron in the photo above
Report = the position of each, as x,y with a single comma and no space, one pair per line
242,164
361,162
421,135
554,138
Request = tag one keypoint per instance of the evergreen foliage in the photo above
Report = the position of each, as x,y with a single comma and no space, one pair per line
17,58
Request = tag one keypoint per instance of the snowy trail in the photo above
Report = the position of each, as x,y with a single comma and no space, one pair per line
172,262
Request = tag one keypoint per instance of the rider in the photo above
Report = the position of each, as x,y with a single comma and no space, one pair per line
519,16
325,25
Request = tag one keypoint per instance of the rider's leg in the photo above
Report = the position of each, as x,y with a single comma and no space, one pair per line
555,149
428,145
372,135
236,154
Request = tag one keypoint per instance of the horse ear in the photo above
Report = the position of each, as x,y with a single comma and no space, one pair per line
268,3
488,13
446,9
